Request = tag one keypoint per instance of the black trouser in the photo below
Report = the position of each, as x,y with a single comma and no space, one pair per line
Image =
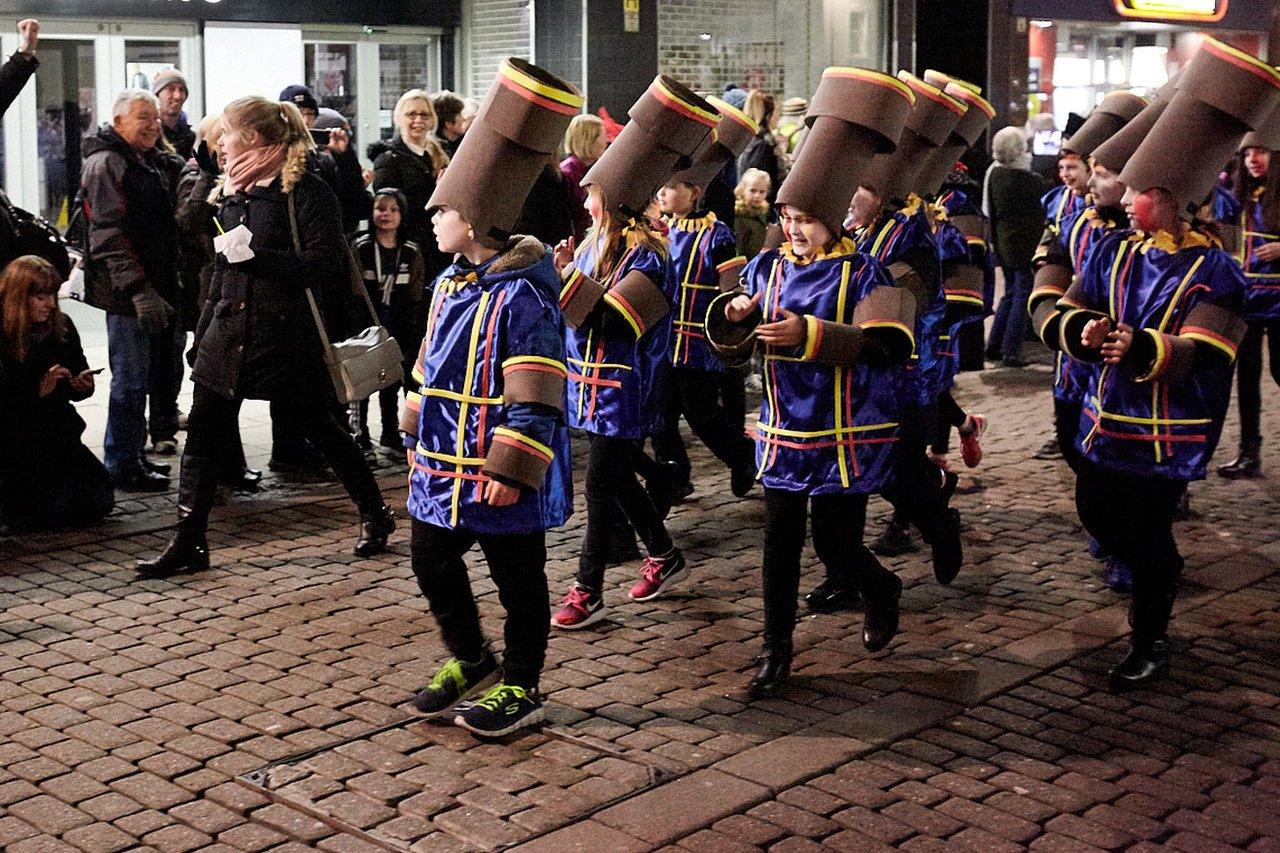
838,522
213,417
1249,377
696,394
1066,424
164,381
916,490
950,416
733,397
517,564
1132,517
612,487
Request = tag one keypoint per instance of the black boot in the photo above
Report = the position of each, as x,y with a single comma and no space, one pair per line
880,623
1146,662
375,528
948,553
245,479
188,550
775,667
1247,465
895,540
832,596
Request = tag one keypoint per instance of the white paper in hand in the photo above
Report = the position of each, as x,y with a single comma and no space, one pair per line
234,244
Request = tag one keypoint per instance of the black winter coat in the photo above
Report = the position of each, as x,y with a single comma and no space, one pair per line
256,337
14,74
195,240
395,165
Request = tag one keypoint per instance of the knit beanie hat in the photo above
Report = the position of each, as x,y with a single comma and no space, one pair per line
167,77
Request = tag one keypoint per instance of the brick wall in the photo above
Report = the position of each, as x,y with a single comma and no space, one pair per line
745,45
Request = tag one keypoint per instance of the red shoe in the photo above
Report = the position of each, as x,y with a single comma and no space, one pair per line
579,609
970,449
658,574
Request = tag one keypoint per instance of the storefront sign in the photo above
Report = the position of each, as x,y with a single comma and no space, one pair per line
631,16
1244,15
422,13
1173,10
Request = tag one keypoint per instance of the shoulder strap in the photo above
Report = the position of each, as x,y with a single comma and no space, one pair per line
311,297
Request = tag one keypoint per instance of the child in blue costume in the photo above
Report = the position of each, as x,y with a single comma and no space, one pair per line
1158,309
618,292
704,254
485,435
836,332
1257,227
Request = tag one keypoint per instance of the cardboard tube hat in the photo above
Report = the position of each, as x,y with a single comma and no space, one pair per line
933,117
733,134
1222,94
977,117
1115,152
855,114
1115,111
1267,136
514,135
670,129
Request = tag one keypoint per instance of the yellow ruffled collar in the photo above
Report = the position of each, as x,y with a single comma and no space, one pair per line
841,248
1188,239
692,223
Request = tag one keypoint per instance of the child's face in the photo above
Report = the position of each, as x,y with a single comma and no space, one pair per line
386,214
805,234
864,208
1074,173
594,204
755,192
1105,186
453,233
677,198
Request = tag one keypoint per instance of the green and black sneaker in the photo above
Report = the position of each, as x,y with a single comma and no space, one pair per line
455,681
503,710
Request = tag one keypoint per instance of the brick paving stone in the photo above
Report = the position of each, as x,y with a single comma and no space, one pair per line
792,820
49,815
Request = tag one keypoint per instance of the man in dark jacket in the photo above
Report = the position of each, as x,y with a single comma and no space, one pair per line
131,272
170,89
15,73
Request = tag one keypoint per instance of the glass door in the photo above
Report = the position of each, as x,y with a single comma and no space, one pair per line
66,112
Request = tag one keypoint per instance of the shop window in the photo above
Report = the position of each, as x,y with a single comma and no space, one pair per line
331,75
402,67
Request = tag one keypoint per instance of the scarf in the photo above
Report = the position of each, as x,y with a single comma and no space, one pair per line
256,164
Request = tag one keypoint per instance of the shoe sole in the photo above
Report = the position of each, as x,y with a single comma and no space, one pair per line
591,619
533,718
666,585
481,686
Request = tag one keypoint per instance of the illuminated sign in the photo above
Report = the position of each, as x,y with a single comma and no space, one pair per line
1173,10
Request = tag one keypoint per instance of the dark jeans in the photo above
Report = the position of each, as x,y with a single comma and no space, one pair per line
214,417
1009,329
1132,518
1249,377
838,522
612,488
165,381
1066,424
696,394
517,564
950,416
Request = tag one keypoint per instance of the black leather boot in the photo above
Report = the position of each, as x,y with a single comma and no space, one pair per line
1146,662
375,529
775,667
1247,465
832,596
880,622
188,550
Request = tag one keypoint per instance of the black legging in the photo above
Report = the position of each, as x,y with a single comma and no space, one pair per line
696,394
838,522
1066,425
214,417
612,487
950,416
517,564
1249,377
1132,517
916,489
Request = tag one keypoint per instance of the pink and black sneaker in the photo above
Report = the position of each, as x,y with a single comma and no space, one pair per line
970,449
658,574
579,609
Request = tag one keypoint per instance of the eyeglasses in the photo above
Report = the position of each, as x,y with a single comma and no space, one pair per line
421,115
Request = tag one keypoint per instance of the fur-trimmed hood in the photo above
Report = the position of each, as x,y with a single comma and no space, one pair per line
521,252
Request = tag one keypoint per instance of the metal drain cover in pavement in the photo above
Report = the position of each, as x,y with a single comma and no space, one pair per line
416,781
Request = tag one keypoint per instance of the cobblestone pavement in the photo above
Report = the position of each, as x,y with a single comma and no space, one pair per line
259,706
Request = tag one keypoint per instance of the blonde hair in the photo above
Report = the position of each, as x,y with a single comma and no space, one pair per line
584,132
439,159
209,131
740,191
275,123
613,238
761,107
1009,146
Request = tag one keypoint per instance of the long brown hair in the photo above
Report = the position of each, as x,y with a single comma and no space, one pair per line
23,278
1270,184
614,238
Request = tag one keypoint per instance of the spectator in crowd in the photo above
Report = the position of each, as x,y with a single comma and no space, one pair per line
584,142
195,215
1011,200
15,73
1044,164
764,152
170,89
412,162
734,95
350,188
792,122
751,214
131,273
450,125
393,272
470,106
48,478
548,209
254,340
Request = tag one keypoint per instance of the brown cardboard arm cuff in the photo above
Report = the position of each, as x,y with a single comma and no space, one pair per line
579,295
515,457
639,301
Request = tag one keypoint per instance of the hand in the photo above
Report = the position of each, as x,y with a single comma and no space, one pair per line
339,142
1267,252
562,254
153,312
500,494
367,176
51,378
205,159
29,35
790,331
1117,344
1095,332
82,383
741,307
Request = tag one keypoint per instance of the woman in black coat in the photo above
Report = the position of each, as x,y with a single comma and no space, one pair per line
411,163
48,478
255,338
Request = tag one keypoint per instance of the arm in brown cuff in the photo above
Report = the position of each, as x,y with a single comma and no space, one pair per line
409,413
731,274
962,285
639,301
1157,356
1052,279
579,295
534,379
1070,327
970,225
518,458
906,278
